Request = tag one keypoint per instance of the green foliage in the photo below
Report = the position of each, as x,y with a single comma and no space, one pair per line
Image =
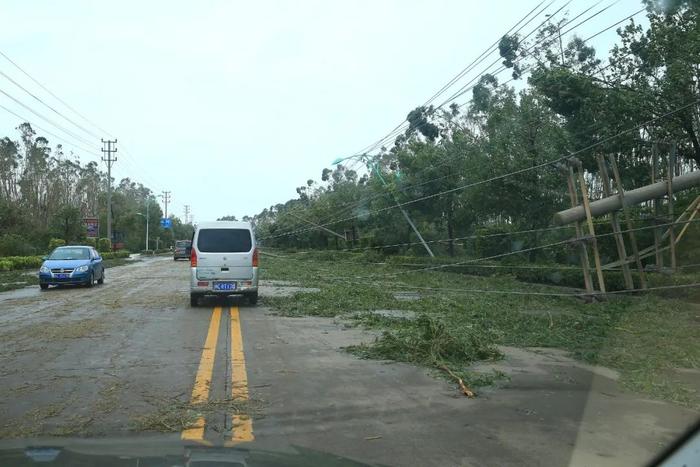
430,341
447,168
67,224
115,254
45,193
55,243
13,244
15,279
454,322
11,263
104,245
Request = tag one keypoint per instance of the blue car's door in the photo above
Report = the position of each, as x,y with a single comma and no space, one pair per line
97,266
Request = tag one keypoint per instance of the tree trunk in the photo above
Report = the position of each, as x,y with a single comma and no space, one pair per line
694,139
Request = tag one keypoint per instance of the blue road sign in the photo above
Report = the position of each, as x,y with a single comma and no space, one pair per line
166,223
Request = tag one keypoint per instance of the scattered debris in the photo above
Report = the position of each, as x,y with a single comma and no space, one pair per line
406,296
463,387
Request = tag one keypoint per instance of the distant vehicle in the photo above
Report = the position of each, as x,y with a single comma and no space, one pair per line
224,261
183,249
77,265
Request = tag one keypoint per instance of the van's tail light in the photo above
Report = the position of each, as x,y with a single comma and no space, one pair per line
255,258
193,258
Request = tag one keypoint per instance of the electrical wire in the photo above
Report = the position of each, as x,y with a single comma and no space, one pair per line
465,89
9,78
509,174
52,123
53,95
70,143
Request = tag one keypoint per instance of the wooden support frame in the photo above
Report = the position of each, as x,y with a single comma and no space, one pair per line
628,221
669,182
693,208
657,202
591,228
583,251
615,222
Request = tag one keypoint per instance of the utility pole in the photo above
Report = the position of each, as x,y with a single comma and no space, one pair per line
166,200
109,160
187,213
374,168
147,222
147,217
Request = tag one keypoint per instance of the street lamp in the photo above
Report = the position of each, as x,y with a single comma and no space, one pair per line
146,217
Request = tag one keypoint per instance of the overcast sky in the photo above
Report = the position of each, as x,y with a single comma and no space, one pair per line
232,105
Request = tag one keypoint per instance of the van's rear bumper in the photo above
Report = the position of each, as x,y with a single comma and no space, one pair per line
206,287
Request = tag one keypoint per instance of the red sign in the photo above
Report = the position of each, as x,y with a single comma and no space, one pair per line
92,224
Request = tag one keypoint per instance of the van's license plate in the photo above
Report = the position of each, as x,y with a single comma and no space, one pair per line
224,285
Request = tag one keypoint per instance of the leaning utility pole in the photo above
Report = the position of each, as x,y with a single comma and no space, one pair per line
109,160
187,213
372,166
166,200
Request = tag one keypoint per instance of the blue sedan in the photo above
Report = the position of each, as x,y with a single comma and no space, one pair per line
77,265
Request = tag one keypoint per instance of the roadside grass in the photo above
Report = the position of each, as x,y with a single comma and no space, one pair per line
10,280
644,337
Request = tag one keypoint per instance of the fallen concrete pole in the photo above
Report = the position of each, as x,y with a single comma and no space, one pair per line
632,197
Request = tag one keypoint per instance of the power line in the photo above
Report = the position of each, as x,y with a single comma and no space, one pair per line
68,132
54,95
464,89
70,143
468,68
490,49
47,105
540,247
509,174
550,294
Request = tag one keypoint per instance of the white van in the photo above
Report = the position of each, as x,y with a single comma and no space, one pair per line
224,261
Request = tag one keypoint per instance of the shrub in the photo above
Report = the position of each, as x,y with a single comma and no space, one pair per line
115,254
9,263
55,243
13,244
104,245
90,241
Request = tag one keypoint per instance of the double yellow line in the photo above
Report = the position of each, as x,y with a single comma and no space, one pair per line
242,425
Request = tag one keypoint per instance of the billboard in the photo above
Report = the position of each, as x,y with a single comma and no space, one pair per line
92,225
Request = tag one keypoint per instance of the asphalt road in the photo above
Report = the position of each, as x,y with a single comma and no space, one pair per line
124,363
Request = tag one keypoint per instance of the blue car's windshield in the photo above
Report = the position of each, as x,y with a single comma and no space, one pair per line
70,253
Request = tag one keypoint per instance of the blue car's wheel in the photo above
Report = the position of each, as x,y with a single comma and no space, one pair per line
44,286
101,280
91,280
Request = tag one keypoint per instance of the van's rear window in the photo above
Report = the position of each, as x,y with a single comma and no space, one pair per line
224,241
